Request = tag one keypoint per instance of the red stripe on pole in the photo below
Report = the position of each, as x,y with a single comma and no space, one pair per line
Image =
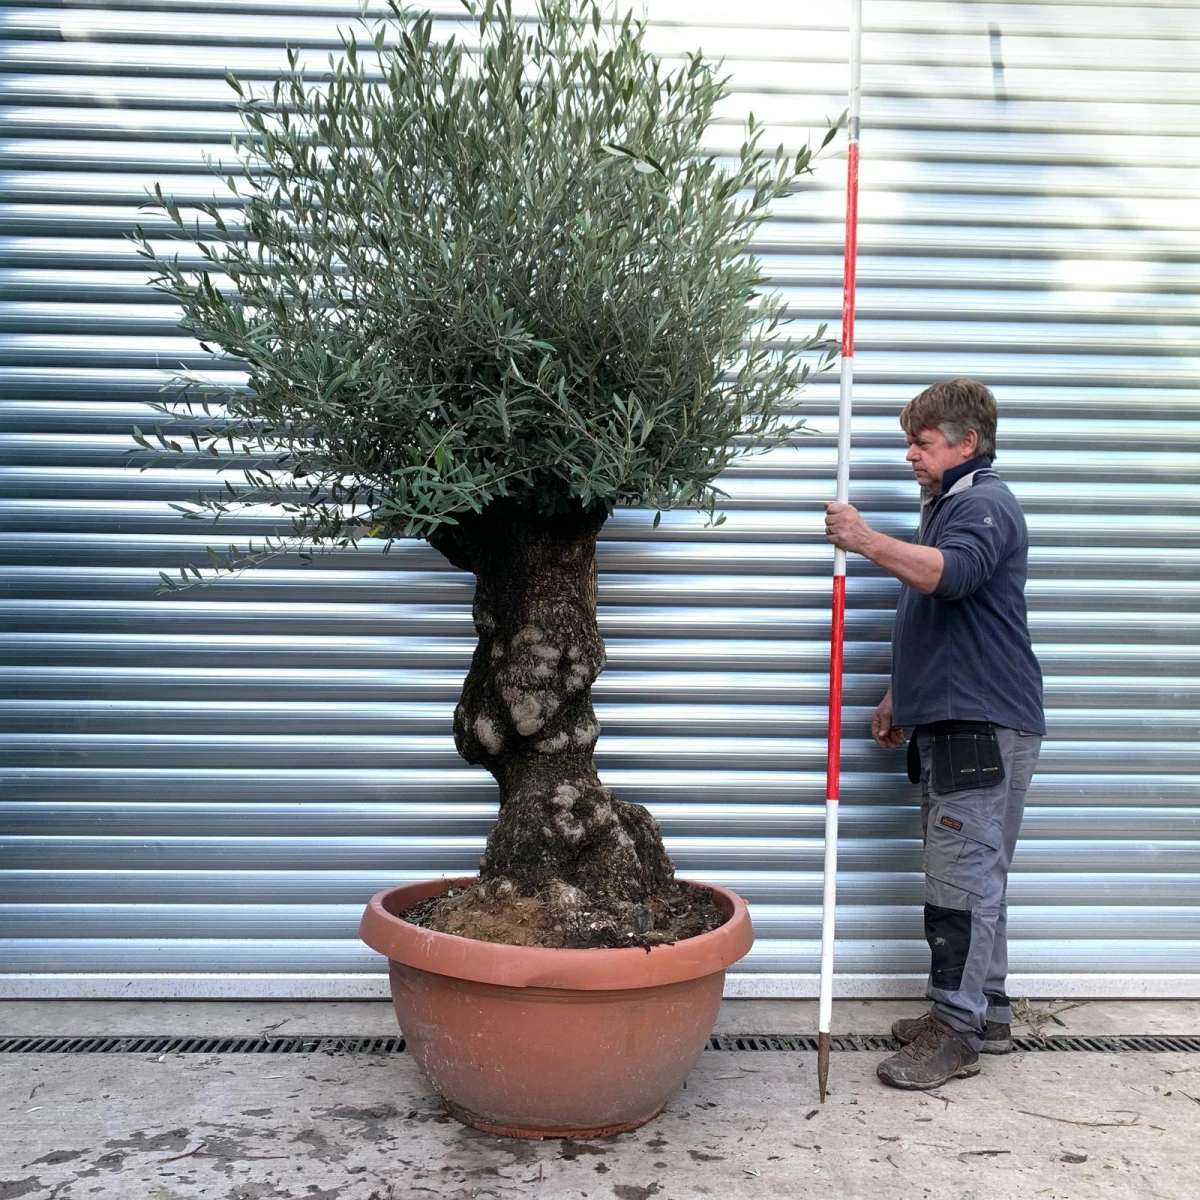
833,764
851,263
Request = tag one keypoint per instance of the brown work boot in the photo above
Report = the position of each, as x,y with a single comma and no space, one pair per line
997,1038
936,1054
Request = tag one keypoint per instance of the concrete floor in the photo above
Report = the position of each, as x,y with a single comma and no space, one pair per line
747,1125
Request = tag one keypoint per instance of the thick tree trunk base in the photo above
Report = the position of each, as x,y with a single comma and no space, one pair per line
568,864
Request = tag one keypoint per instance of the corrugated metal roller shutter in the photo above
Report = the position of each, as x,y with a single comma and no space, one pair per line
210,786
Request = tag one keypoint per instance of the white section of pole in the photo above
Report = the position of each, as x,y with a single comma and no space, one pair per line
855,66
829,902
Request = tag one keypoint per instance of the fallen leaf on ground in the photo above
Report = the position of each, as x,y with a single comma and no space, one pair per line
809,1115
1074,1158
753,1171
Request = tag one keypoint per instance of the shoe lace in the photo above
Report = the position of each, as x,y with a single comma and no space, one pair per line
929,1039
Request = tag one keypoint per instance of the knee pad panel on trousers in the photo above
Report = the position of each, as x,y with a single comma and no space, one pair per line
948,932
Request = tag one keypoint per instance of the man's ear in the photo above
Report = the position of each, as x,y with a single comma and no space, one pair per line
969,446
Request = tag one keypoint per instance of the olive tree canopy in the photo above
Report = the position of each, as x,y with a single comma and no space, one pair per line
486,267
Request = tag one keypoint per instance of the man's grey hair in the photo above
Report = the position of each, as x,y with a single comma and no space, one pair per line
954,406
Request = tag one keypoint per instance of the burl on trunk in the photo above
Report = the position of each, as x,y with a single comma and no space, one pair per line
567,862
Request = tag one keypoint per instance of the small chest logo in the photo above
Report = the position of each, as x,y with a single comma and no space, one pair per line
988,521
951,823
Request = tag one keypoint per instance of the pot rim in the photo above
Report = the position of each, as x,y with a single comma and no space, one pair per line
534,966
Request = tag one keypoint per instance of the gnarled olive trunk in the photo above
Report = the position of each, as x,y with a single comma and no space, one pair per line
526,711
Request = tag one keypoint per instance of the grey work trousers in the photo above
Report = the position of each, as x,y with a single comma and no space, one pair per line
969,837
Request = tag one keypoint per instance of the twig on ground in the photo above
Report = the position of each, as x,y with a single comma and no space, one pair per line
1084,1124
177,1157
980,1154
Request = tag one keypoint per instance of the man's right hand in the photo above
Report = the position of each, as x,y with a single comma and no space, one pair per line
887,736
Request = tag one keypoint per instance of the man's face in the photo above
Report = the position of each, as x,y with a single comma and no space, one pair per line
932,456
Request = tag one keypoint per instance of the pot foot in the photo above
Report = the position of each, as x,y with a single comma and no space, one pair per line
577,1135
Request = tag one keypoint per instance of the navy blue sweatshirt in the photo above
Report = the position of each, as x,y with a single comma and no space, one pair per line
964,653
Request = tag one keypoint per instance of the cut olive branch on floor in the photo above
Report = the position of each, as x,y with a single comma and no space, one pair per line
1036,1019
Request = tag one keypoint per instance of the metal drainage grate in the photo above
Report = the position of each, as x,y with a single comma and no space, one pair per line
201,1045
793,1041
1118,1044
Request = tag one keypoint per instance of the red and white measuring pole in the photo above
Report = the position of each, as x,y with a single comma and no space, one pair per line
833,765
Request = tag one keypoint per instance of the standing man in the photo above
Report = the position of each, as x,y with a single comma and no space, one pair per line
966,685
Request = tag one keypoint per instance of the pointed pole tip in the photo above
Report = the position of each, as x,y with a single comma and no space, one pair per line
822,1063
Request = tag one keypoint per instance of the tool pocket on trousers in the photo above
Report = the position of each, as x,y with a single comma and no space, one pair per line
914,759
965,755
960,850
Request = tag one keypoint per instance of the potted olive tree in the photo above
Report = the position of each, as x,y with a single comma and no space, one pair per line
484,293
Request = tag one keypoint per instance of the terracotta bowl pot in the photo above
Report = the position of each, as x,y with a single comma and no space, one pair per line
537,1043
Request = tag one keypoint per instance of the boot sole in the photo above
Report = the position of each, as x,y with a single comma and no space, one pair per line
906,1086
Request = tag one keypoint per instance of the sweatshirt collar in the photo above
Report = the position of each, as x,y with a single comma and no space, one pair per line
954,474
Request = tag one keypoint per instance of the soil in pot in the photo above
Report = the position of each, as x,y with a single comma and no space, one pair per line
495,913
